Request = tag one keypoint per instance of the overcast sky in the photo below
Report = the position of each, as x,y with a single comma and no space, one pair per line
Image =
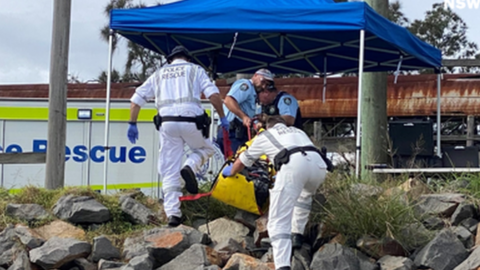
26,25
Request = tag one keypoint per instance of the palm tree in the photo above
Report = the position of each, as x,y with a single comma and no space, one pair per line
141,62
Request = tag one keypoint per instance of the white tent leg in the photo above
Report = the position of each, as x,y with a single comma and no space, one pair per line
439,128
359,102
107,109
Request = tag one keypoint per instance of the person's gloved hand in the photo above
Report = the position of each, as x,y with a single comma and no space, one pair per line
132,132
227,171
224,123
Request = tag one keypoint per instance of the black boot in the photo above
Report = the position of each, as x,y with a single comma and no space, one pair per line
174,221
297,240
190,179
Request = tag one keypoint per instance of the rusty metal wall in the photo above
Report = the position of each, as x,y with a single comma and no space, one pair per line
411,96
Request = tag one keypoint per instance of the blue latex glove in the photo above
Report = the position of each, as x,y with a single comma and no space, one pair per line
224,123
132,132
227,171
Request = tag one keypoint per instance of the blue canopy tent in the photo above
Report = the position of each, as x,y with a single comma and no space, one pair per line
285,36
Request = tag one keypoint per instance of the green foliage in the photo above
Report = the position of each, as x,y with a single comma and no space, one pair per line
396,15
354,215
445,30
141,62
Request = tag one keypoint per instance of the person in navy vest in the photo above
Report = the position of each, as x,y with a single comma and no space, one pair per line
240,107
275,102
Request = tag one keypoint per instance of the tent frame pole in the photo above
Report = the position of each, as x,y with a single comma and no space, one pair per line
324,78
439,127
107,109
359,102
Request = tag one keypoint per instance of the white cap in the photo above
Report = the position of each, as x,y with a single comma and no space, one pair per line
265,73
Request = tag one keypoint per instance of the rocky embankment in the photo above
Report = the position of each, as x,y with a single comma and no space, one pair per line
241,243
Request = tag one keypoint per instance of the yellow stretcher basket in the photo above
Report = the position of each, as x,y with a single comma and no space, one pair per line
237,192
241,193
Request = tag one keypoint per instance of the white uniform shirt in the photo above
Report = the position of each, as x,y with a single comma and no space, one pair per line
177,89
272,141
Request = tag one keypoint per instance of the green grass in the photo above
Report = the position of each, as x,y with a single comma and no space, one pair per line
355,215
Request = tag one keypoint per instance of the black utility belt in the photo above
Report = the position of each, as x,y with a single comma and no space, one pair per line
283,157
202,121
178,119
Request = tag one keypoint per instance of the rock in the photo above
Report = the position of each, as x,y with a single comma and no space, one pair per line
81,210
246,218
464,236
197,255
104,264
28,237
248,243
261,230
472,261
433,255
396,263
267,257
143,262
338,239
378,248
471,224
336,256
84,264
137,212
199,222
316,235
58,251
9,246
61,229
302,258
223,229
103,249
463,212
417,236
21,262
211,267
439,204
28,212
244,262
414,188
163,244
434,223
226,249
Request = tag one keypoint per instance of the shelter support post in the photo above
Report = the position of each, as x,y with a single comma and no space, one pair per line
57,105
439,124
107,109
324,78
317,131
374,110
470,130
359,102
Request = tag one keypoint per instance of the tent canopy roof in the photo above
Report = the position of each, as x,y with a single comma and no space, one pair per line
286,36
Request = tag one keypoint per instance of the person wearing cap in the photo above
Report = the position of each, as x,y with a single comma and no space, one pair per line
177,88
275,102
240,107
300,169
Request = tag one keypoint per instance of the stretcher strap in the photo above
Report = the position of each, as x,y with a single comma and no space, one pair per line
227,145
194,197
